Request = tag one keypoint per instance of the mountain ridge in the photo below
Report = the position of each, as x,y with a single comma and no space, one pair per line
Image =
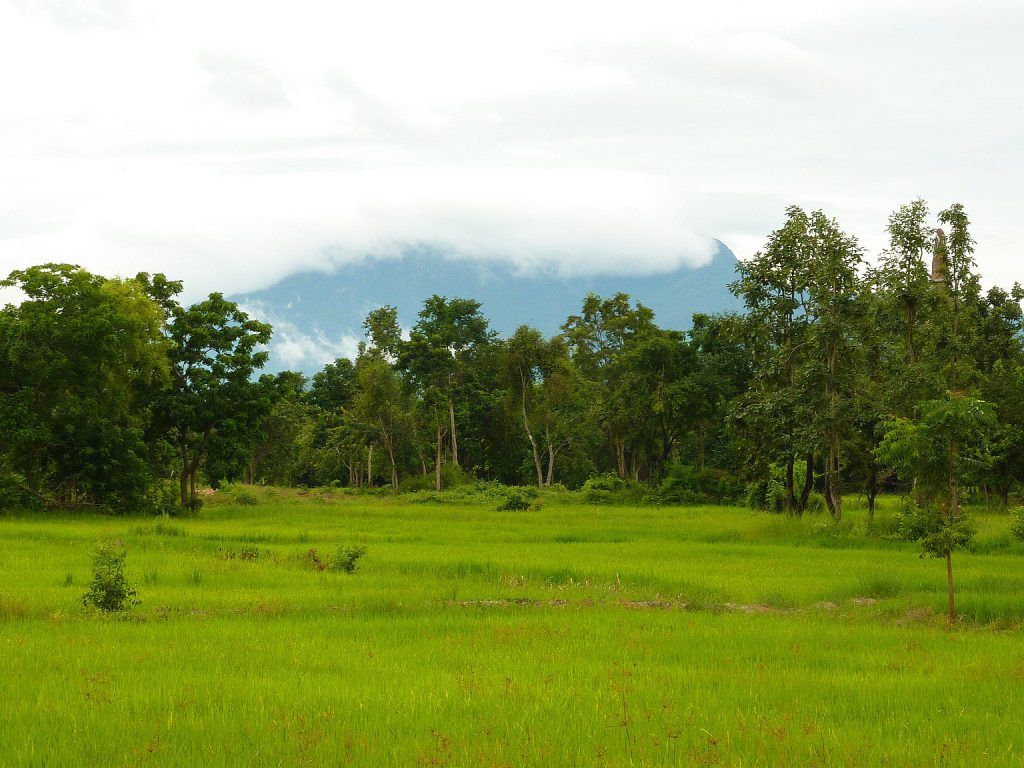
318,316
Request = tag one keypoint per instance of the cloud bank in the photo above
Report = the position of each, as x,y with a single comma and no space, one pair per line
232,144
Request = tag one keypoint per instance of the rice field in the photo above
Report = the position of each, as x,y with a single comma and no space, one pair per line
570,635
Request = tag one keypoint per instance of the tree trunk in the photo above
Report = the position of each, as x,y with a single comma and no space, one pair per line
437,460
872,489
700,431
949,582
551,459
533,443
455,442
833,494
183,483
787,502
369,465
805,494
620,457
389,445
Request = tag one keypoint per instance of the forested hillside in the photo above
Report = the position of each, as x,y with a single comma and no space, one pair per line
835,378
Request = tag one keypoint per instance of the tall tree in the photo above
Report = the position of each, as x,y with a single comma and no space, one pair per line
831,367
440,353
80,361
774,289
215,350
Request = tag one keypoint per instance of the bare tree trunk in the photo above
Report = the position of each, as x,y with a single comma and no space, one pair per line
437,460
455,442
551,458
533,443
389,446
833,495
369,464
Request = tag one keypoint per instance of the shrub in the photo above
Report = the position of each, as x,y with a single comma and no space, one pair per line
110,590
14,492
346,558
816,503
767,494
246,499
162,498
609,488
1017,524
415,483
685,484
515,501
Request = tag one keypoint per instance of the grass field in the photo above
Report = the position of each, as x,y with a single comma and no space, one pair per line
571,635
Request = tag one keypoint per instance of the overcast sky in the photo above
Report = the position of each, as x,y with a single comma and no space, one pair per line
230,144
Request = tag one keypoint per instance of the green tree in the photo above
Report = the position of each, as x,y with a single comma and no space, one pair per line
771,414
596,338
443,347
380,404
945,449
81,359
832,364
215,350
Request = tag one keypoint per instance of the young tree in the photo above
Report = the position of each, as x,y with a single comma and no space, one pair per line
945,449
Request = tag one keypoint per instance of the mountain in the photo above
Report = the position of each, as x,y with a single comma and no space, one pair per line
318,316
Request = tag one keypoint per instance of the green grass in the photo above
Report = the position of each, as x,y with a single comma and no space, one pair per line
571,635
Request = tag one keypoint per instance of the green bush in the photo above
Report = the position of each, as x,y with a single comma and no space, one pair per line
685,484
346,558
245,499
767,494
816,503
1017,524
416,483
110,590
14,492
515,501
163,498
609,488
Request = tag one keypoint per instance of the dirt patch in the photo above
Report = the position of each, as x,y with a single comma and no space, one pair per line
738,608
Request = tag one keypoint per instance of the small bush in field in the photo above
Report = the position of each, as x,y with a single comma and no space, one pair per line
346,558
110,590
515,501
1017,526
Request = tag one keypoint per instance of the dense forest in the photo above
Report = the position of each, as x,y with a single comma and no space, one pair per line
839,377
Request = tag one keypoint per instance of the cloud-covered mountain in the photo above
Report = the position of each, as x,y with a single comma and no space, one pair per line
317,316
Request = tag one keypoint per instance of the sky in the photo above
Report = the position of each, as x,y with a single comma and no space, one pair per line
231,144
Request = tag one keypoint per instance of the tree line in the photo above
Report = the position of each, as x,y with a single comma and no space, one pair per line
116,395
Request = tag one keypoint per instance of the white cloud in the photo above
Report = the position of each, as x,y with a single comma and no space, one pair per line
233,143
299,349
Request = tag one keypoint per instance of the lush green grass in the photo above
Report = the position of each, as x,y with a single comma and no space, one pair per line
569,635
